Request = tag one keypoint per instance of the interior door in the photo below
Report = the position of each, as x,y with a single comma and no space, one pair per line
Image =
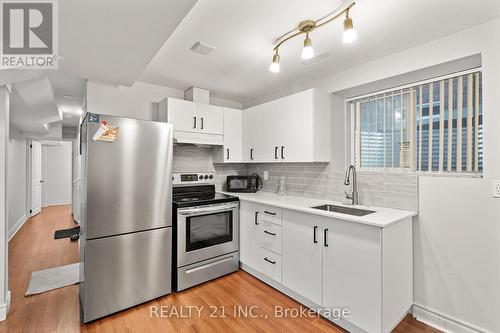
36,178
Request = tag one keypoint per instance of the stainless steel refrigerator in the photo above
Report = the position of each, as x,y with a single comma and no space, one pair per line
126,214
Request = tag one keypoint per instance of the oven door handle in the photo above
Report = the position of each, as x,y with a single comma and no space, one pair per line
197,211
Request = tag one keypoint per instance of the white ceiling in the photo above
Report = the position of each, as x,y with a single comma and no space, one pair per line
113,40
243,32
40,106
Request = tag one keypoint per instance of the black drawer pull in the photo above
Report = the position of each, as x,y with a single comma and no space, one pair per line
270,233
275,153
270,261
314,234
283,152
194,123
256,218
269,213
227,153
326,238
201,123
251,153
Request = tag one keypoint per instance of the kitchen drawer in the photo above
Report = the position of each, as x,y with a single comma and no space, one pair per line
271,237
270,214
271,264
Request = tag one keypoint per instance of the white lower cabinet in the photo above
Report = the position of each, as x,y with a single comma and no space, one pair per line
332,263
260,238
302,248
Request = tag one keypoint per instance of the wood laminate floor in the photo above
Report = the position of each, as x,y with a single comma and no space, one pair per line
33,248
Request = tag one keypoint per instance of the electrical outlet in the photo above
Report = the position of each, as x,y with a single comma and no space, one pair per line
496,189
266,175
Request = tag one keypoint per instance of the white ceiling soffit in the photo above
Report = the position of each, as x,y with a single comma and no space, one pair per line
113,40
243,34
69,94
33,107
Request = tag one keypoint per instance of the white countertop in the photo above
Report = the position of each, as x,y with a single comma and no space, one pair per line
382,217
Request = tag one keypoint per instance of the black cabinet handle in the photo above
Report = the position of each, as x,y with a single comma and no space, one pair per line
227,153
269,213
251,153
201,123
270,261
270,233
194,122
283,152
326,238
275,153
314,234
256,218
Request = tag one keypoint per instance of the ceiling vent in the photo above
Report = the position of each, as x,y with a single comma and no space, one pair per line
316,59
202,48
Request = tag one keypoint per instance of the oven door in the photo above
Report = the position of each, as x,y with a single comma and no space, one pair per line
205,232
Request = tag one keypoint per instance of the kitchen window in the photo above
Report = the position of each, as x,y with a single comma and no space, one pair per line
432,127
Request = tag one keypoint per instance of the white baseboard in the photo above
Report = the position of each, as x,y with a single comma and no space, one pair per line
17,226
4,308
443,322
57,203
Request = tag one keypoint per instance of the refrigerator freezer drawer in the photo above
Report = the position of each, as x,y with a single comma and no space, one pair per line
126,270
191,275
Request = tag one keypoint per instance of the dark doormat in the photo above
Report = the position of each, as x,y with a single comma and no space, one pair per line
72,232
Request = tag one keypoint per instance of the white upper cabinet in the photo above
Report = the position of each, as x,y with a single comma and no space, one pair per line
193,122
295,128
231,150
178,112
211,119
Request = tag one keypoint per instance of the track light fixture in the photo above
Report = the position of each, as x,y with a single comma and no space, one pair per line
307,26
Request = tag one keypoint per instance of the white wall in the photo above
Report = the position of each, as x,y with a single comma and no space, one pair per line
16,175
58,183
135,101
4,133
457,232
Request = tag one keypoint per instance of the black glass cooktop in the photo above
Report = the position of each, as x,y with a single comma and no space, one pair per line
186,196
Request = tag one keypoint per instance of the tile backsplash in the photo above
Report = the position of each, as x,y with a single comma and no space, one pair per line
317,180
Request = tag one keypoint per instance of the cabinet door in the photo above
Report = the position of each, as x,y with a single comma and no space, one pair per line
301,254
352,272
294,123
250,251
250,135
182,114
210,119
232,135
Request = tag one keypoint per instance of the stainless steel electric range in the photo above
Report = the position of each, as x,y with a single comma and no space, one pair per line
206,225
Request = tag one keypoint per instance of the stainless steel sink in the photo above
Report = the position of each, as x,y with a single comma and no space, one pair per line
344,210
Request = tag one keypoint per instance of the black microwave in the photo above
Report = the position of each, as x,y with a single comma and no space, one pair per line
251,183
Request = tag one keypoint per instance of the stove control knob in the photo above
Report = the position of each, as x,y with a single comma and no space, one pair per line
210,177
206,177
201,177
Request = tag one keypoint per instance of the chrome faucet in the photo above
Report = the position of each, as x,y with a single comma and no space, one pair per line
354,197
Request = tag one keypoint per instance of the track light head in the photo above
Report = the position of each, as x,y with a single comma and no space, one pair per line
275,64
307,51
350,34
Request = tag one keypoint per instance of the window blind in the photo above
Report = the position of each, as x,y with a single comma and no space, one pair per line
432,127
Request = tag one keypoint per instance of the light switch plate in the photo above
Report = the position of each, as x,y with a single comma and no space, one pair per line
496,189
266,175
